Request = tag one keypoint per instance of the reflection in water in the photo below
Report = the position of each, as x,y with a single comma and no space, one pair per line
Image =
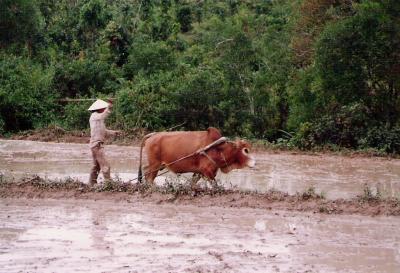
58,234
335,176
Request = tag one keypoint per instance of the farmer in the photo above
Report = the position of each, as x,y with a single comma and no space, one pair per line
98,132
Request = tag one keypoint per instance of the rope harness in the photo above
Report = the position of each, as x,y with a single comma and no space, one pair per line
201,151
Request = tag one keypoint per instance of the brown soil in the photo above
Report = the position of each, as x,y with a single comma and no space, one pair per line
53,134
70,235
306,202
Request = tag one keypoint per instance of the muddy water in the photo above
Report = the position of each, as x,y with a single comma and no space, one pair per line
103,236
335,176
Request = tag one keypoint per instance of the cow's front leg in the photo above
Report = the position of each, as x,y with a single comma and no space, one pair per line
193,182
210,174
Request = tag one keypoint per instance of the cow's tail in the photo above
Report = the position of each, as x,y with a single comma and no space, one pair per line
140,174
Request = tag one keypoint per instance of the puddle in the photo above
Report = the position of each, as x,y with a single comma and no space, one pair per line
83,236
335,176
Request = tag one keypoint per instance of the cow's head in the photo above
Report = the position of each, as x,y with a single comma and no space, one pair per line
235,155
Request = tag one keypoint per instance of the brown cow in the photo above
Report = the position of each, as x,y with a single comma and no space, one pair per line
167,148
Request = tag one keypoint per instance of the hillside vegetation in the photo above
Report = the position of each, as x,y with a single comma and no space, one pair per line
304,73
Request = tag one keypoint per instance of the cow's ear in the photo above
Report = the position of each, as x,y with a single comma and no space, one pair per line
214,133
241,144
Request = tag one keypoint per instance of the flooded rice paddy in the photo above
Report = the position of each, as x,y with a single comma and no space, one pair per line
100,236
335,176
133,235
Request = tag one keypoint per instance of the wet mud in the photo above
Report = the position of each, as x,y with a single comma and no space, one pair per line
104,236
76,228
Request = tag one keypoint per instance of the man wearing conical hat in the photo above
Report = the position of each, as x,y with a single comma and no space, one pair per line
98,132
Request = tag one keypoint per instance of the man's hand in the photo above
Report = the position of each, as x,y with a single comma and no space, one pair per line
113,132
110,103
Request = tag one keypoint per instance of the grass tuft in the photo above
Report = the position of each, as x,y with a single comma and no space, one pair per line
310,193
371,195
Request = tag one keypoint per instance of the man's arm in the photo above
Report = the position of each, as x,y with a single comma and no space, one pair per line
112,132
107,111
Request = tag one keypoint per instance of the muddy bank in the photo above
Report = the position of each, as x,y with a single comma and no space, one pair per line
58,134
134,137
309,201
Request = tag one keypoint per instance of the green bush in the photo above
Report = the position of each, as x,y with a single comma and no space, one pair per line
141,104
304,137
196,99
20,21
184,17
149,58
344,128
383,138
76,115
79,77
26,95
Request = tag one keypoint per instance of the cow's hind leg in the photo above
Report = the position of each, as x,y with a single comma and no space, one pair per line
151,171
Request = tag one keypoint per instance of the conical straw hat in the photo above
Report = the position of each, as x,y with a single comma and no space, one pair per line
98,104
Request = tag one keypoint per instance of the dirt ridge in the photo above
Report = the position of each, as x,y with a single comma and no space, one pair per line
37,188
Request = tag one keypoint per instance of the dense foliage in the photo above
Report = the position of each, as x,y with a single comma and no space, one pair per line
305,72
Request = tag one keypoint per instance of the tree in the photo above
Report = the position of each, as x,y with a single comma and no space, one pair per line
93,17
184,17
26,100
356,58
20,22
352,86
148,57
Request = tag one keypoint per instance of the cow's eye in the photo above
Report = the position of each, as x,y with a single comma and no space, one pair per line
246,151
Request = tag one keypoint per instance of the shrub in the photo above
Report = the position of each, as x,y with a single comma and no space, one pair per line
20,21
141,104
78,77
76,115
382,137
184,17
304,138
196,99
148,58
26,97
